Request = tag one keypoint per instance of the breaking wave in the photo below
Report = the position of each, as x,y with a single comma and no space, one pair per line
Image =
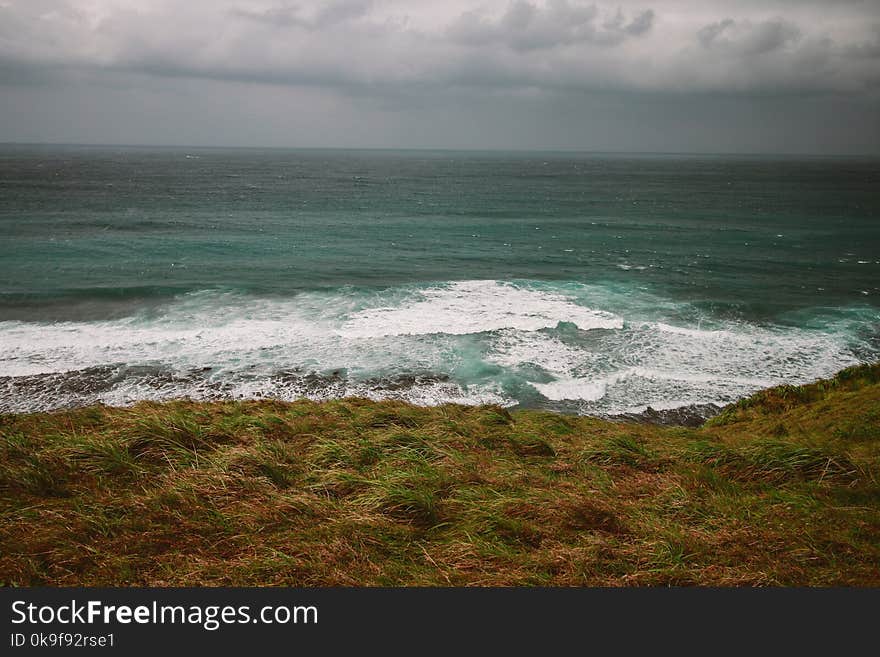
571,347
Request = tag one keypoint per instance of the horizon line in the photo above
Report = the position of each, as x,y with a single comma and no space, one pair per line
572,151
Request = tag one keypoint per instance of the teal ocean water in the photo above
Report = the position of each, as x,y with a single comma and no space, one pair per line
595,284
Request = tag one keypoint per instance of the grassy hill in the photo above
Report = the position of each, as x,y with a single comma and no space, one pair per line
780,489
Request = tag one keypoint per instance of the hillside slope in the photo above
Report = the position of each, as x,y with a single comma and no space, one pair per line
780,489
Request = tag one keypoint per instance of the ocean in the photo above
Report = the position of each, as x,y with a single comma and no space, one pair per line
595,284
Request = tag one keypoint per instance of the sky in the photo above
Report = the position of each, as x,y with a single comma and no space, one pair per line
783,76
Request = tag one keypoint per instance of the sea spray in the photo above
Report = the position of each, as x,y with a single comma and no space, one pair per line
525,343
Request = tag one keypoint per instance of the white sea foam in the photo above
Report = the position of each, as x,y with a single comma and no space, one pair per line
475,307
664,366
33,349
572,389
463,342
512,348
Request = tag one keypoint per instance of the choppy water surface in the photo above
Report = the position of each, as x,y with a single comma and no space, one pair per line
585,283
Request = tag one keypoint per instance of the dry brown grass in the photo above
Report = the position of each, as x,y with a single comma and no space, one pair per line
779,490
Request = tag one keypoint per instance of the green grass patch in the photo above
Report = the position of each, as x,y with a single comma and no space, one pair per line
782,488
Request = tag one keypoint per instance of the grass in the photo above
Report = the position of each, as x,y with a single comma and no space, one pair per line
779,489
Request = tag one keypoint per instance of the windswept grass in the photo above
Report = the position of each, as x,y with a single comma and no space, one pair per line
780,489
782,398
773,461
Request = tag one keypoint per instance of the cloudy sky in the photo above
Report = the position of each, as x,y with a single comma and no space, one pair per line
670,75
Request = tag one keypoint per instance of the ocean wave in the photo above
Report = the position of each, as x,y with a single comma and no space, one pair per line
572,347
569,389
465,307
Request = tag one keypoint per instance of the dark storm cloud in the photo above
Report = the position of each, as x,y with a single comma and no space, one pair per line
331,13
868,48
747,38
527,26
557,45
395,63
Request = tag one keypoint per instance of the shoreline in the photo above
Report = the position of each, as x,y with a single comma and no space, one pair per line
76,382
